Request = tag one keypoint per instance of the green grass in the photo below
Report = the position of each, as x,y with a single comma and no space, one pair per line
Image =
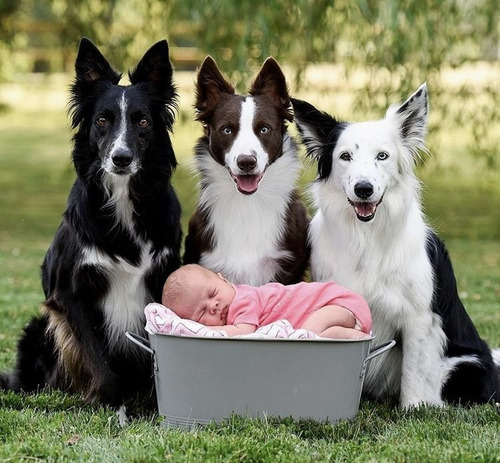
461,202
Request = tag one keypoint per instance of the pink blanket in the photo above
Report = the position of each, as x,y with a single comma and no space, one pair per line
161,320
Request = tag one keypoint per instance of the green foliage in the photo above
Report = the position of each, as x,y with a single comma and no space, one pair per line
483,118
124,29
394,45
240,35
401,43
7,10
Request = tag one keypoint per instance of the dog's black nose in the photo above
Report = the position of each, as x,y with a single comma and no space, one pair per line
122,158
363,190
246,162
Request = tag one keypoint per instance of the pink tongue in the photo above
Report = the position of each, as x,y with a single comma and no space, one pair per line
365,209
247,183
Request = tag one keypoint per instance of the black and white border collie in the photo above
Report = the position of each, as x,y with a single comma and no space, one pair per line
119,238
370,235
250,224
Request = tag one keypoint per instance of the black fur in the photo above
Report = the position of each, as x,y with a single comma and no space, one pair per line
132,239
329,129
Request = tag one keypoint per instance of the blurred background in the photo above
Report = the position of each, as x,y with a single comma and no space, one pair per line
351,58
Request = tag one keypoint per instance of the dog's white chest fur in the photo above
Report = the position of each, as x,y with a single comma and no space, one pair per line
247,229
126,297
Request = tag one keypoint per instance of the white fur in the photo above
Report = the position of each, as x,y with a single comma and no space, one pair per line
384,259
247,228
119,203
495,353
125,295
120,142
121,413
246,141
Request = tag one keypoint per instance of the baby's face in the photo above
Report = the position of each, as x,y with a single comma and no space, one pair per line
207,300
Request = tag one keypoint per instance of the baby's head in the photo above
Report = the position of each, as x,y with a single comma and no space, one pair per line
196,293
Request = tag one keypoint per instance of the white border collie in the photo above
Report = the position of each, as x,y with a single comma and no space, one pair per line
250,224
370,235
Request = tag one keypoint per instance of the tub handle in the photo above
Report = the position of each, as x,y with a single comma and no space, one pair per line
375,352
143,343
380,349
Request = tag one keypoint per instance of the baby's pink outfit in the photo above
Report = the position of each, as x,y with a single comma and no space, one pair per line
273,301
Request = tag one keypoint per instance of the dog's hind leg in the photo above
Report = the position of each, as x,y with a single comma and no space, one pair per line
36,363
472,379
81,353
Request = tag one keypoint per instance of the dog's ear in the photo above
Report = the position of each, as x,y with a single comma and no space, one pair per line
91,69
91,66
156,69
271,81
210,86
411,118
319,132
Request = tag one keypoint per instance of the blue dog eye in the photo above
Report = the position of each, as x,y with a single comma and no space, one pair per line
382,156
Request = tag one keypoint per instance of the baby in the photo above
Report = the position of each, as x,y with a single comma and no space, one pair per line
196,293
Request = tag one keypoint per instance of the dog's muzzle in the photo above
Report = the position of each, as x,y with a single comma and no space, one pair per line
247,181
121,163
364,208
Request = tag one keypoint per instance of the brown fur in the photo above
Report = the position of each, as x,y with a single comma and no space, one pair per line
219,110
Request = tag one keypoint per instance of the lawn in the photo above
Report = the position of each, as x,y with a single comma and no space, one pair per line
461,198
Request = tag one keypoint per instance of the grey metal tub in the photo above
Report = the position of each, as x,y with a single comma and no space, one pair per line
199,380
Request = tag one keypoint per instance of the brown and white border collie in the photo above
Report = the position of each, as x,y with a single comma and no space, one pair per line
250,224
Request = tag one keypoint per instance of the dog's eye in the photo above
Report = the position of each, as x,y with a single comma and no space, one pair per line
345,156
102,121
226,130
143,123
382,156
264,129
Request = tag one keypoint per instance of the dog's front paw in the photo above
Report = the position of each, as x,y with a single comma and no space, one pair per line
409,404
121,413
